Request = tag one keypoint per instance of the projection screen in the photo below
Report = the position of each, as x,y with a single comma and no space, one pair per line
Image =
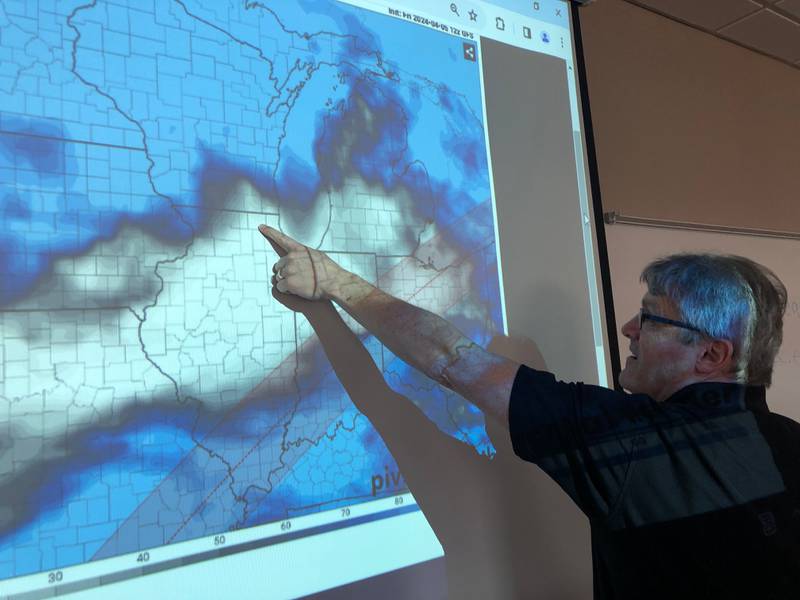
165,423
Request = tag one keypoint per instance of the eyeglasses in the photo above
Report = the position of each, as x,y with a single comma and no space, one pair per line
646,316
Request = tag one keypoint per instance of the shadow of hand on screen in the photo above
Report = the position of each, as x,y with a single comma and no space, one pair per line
473,504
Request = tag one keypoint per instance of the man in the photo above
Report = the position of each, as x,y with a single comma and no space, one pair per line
691,485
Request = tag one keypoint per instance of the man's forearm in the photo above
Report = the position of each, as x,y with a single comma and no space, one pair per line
421,338
424,340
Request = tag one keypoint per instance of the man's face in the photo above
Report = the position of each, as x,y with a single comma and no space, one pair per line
660,364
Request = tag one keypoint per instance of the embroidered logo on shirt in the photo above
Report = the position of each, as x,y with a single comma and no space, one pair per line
768,525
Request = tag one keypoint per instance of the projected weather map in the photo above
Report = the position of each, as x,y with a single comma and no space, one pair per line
152,390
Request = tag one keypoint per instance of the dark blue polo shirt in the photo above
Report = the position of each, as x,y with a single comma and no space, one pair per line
693,497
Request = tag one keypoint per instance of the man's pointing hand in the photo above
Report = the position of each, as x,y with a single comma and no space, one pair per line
301,271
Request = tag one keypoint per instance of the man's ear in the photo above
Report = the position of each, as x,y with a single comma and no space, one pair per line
717,357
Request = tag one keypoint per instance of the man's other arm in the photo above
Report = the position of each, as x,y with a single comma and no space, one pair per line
421,338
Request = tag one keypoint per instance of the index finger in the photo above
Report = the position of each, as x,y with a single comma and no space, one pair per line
280,242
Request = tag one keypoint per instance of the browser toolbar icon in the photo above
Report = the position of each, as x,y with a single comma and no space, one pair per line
470,52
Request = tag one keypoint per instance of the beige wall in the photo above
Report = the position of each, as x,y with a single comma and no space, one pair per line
688,126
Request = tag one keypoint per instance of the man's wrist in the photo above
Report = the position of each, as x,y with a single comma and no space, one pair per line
347,288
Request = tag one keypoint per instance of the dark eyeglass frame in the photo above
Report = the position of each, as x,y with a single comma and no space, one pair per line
646,316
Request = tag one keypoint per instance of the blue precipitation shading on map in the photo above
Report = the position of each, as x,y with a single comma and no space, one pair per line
152,390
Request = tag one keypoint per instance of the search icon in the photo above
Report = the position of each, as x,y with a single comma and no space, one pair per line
454,8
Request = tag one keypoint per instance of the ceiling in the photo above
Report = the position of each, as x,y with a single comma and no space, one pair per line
770,27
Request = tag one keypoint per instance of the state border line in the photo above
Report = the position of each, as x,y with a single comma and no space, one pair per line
70,140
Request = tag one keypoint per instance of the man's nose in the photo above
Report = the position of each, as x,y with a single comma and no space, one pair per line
631,328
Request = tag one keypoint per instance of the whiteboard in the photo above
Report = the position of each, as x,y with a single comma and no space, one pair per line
631,247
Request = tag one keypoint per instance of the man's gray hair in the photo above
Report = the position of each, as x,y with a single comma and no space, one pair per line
727,297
